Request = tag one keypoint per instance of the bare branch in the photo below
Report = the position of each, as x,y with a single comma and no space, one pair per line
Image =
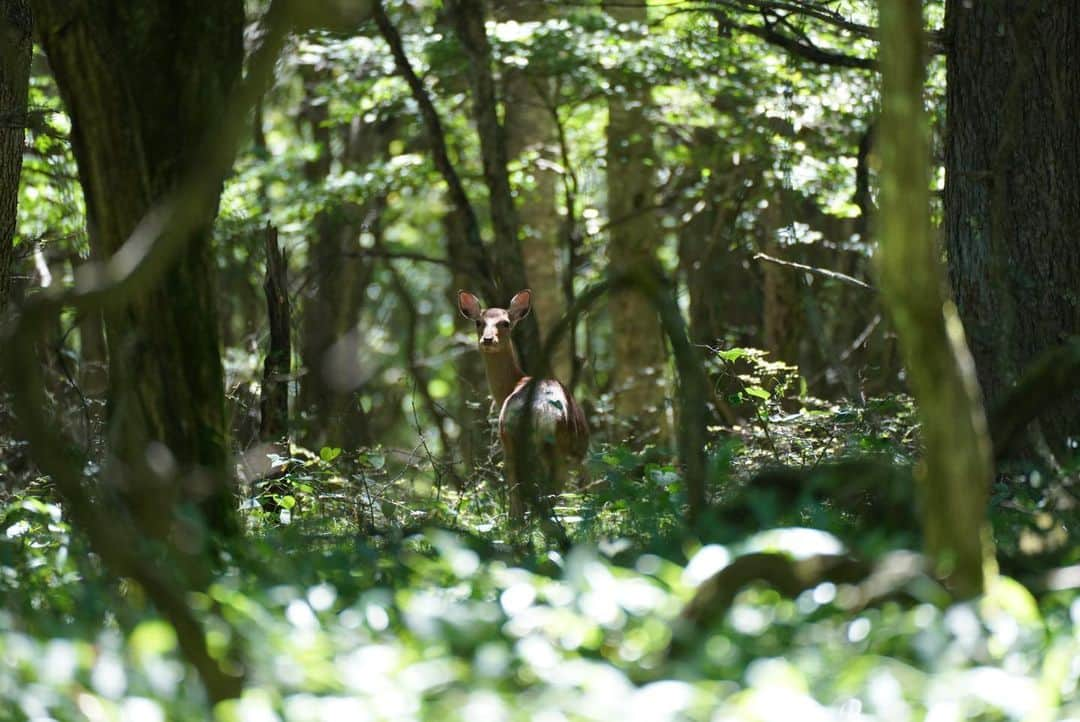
813,269
800,48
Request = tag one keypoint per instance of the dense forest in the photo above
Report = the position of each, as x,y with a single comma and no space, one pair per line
539,360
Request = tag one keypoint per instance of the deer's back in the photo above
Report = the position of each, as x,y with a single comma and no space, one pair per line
556,418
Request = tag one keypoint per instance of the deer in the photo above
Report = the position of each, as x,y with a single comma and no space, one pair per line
542,429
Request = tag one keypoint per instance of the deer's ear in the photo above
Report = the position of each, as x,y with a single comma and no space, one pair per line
469,305
520,305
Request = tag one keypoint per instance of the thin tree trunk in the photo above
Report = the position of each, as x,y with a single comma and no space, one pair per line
274,397
475,432
464,221
956,471
144,85
1012,187
15,53
640,373
724,289
93,375
468,18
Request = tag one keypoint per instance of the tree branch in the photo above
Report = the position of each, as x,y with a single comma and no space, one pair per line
436,136
808,52
813,269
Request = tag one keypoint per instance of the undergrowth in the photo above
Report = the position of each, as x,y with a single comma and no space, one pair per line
374,585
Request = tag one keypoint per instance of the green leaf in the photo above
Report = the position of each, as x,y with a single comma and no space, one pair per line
329,453
733,354
758,392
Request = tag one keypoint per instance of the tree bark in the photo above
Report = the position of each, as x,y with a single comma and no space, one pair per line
1012,187
468,18
464,221
274,396
15,53
955,474
723,288
144,85
531,139
781,313
640,386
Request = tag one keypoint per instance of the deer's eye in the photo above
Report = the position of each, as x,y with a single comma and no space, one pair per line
504,324
479,324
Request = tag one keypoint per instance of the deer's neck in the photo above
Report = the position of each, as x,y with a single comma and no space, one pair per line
503,374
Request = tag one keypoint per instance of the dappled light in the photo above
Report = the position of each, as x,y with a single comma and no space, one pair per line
507,360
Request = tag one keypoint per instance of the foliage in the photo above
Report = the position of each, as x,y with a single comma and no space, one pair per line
433,626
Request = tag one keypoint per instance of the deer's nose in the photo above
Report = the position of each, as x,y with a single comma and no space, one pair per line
488,340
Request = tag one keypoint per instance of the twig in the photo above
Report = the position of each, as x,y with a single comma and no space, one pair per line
836,275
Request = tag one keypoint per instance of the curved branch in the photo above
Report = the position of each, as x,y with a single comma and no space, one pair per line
436,136
156,241
790,577
778,12
866,583
796,47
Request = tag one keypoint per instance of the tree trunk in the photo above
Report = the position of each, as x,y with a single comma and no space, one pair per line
723,288
475,435
955,474
15,53
781,311
329,347
468,18
531,138
639,375
145,84
274,396
464,219
93,374
1012,187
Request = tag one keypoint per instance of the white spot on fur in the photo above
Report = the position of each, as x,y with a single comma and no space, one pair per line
549,409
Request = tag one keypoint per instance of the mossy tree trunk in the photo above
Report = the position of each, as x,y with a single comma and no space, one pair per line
145,83
955,473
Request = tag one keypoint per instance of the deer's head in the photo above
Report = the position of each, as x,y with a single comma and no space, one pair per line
493,325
